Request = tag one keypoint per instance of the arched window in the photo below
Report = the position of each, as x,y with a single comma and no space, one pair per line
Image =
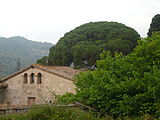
25,78
39,78
32,78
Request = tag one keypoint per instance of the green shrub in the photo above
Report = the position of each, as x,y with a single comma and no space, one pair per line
51,112
124,85
66,98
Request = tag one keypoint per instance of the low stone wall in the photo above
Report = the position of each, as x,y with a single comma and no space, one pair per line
5,109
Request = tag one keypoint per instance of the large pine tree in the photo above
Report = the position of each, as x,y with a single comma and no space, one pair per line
83,45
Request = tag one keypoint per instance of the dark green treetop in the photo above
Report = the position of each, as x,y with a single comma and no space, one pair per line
43,60
155,25
83,45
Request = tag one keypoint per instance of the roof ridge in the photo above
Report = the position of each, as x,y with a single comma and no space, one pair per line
42,67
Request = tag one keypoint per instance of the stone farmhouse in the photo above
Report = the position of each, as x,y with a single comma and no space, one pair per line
36,84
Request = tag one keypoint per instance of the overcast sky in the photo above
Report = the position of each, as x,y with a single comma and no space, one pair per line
48,20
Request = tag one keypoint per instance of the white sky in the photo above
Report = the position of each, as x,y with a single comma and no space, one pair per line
48,20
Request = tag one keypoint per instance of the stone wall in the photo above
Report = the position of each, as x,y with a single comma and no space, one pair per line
18,93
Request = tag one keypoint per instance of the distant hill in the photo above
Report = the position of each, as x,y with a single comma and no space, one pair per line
17,52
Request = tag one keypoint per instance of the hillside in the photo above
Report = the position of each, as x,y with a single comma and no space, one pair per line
19,50
82,46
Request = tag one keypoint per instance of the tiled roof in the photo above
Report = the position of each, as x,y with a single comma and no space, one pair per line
62,71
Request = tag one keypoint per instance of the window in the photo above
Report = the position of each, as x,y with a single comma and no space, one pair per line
39,78
25,78
32,78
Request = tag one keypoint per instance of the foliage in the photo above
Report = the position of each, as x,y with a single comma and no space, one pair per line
85,51
61,55
43,60
52,112
155,25
19,49
83,45
124,85
66,98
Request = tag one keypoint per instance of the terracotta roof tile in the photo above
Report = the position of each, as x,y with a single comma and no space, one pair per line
62,71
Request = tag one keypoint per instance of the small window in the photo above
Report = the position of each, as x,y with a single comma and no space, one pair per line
39,78
32,78
25,78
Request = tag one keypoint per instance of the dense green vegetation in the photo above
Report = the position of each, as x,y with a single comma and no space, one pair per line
155,25
43,60
123,85
83,45
52,112
19,50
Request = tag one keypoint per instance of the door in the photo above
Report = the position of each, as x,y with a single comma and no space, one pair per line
31,100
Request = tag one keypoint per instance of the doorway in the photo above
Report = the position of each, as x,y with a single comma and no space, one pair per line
31,100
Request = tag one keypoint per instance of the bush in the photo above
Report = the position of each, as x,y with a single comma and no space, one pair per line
124,85
51,113
66,98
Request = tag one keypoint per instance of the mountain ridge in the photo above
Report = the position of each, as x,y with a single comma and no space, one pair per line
19,49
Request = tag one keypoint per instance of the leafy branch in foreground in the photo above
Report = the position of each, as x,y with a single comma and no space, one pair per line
124,85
